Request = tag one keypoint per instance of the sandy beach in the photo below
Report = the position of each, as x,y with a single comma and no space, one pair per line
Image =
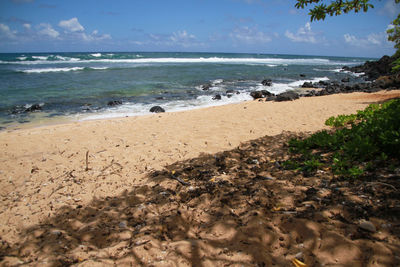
59,175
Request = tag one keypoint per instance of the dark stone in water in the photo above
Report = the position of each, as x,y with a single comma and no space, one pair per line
287,96
302,75
346,80
114,103
217,97
157,109
33,108
206,87
267,82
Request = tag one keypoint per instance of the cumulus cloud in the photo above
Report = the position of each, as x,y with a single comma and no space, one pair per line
179,38
6,32
303,34
373,39
249,35
94,36
390,9
71,25
47,30
182,37
27,26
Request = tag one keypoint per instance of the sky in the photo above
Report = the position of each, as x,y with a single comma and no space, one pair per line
238,26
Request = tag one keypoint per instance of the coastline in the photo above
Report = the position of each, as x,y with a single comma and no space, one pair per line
45,168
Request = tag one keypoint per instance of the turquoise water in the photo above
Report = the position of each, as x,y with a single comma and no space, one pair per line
79,85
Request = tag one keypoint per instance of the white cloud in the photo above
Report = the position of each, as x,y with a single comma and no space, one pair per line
27,26
373,39
249,35
94,36
390,9
182,37
6,32
304,34
47,30
71,25
179,38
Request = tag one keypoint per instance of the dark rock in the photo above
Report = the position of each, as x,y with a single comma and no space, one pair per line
230,93
374,69
307,85
323,83
206,87
287,96
267,93
217,97
346,80
157,109
271,98
267,82
385,82
256,94
114,103
33,108
302,75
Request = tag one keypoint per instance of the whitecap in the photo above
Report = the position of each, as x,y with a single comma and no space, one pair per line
44,70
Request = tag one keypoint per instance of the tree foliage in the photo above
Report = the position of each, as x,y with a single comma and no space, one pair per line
321,8
335,8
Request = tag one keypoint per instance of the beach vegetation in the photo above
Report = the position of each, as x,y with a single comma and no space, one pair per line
357,144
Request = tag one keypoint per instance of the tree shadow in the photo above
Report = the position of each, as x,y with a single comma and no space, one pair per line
233,208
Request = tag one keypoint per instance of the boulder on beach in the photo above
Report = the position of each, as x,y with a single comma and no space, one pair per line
256,94
307,85
157,109
287,96
260,94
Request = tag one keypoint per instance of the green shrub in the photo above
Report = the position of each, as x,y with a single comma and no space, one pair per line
371,139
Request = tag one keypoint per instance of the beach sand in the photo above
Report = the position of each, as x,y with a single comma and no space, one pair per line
56,178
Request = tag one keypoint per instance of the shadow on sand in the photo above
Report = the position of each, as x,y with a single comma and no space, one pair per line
234,208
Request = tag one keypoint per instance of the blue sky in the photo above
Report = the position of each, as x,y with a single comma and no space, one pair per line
244,26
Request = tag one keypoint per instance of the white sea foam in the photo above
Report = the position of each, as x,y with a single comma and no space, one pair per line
44,58
278,88
44,70
300,82
138,109
99,68
96,55
356,74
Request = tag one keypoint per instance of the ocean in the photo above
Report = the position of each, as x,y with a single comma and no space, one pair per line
80,86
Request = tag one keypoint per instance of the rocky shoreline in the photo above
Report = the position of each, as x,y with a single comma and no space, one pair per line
378,76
